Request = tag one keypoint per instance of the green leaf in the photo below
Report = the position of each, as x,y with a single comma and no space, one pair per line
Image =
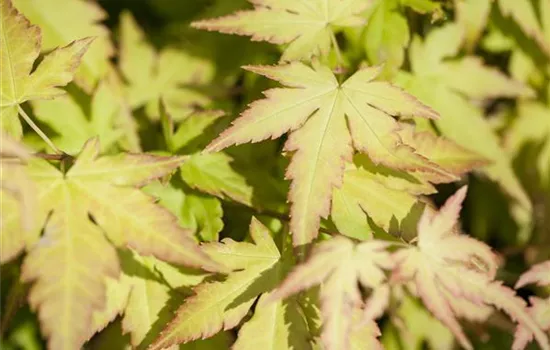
308,28
531,128
197,212
213,174
363,192
278,325
20,47
223,304
75,127
472,15
70,262
327,120
170,74
524,13
387,36
78,19
417,326
192,134
156,290
462,121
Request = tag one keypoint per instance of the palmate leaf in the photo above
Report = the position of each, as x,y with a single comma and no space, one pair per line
341,266
540,308
76,127
307,26
269,328
447,85
17,197
69,264
157,288
327,120
21,43
383,197
391,197
171,74
223,304
453,274
78,19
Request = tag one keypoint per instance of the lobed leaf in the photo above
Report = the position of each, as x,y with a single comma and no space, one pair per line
154,75
325,119
340,265
73,259
223,304
308,27
446,265
21,43
78,19
462,122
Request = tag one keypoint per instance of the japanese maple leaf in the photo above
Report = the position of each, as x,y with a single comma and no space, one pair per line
454,274
169,74
308,25
218,305
340,266
18,196
20,46
449,85
71,261
79,19
540,308
326,120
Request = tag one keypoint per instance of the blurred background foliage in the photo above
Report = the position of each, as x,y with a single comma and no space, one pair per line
215,81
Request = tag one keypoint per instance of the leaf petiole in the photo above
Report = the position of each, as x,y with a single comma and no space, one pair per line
37,130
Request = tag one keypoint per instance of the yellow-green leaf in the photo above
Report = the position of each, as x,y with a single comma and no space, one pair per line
308,27
223,304
278,325
78,19
70,263
170,74
340,266
446,263
326,121
21,43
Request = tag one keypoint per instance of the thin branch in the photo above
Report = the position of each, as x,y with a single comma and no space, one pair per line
56,157
37,130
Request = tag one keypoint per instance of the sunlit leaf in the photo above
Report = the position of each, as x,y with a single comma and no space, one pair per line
445,264
327,120
21,44
221,305
70,262
341,266
308,27
78,19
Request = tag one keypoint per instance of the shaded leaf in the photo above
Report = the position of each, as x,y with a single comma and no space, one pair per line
221,305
